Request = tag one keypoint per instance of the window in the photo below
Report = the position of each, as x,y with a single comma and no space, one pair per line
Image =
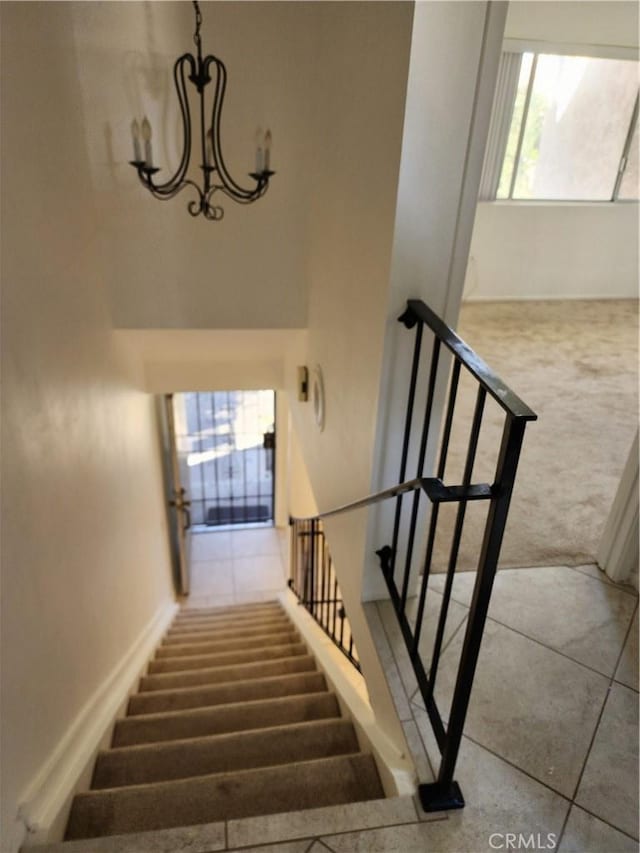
564,128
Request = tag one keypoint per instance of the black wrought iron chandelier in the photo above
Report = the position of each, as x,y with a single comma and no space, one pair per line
215,175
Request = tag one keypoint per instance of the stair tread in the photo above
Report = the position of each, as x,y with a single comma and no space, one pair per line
178,650
226,718
189,697
223,796
230,608
196,625
236,656
214,619
225,627
271,627
219,753
227,673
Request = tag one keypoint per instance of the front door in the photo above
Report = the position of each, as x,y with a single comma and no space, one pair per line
178,470
229,439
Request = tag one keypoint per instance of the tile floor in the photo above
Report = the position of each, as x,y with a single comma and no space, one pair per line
236,567
551,742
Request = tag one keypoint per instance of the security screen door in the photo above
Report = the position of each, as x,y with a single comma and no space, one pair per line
230,437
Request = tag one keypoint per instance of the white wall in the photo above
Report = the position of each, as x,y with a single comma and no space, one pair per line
84,548
363,52
561,251
537,250
211,359
454,61
593,23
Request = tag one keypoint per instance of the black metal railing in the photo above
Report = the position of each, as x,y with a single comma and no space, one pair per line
426,436
314,582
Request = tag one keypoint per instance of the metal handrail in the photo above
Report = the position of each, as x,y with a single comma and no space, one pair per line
445,793
433,487
488,379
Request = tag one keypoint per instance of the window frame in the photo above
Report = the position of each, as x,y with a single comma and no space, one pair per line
502,117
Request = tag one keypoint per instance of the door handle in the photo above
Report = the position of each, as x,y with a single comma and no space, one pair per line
269,440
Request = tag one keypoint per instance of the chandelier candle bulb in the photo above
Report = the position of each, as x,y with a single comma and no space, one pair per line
146,135
135,134
267,150
259,151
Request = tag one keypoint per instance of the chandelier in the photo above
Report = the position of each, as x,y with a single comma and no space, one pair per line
215,175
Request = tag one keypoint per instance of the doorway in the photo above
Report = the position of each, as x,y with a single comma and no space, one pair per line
229,440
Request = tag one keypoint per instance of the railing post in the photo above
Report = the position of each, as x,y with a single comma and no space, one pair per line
314,526
445,793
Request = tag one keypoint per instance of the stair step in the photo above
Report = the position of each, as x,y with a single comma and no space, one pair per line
253,607
220,625
243,642
251,616
223,753
226,674
255,630
224,796
219,694
224,719
225,658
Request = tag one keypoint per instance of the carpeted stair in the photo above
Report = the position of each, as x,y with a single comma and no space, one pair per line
232,720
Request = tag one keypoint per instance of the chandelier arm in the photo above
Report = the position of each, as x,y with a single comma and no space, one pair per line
229,186
169,188
165,196
240,199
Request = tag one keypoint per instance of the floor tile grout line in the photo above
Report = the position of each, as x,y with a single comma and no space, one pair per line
321,838
519,769
564,826
551,648
389,825
444,648
609,583
603,820
570,800
324,844
604,705
558,652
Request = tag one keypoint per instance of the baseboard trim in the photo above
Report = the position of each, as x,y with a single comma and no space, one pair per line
57,779
397,773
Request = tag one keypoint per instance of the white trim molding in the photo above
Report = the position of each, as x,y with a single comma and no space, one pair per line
53,786
397,772
618,549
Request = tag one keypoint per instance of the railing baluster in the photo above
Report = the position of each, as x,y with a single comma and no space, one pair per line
323,592
334,601
435,508
435,357
457,536
512,437
415,364
446,435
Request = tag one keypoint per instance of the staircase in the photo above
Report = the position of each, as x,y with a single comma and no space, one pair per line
232,720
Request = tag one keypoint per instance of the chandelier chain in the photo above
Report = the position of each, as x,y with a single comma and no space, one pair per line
196,35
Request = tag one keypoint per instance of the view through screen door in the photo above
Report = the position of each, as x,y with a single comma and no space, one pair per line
230,441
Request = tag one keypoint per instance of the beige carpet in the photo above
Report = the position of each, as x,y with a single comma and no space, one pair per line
232,720
575,363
